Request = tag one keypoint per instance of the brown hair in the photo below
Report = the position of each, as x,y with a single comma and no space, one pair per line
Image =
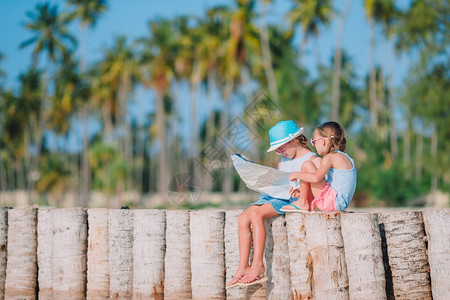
303,141
335,133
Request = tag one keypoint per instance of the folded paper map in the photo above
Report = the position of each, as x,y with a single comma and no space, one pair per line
262,179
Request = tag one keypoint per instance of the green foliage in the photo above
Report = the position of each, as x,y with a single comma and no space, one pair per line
55,177
108,167
221,52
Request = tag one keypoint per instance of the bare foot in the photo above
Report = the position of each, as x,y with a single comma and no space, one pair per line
237,276
301,204
253,273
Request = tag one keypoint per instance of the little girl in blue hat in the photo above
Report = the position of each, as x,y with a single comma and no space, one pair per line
287,140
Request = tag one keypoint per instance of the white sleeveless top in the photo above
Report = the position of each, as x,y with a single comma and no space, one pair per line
295,165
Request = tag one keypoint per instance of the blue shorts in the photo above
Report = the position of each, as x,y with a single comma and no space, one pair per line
276,203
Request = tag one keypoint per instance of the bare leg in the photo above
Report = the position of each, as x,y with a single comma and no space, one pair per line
259,239
245,242
306,195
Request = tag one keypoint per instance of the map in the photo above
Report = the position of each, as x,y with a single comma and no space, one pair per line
262,179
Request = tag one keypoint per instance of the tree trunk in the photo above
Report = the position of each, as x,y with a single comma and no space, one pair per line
127,143
210,127
160,121
363,256
98,254
407,149
336,83
207,254
372,79
177,277
381,103
107,122
279,285
120,253
21,268
392,106
438,233
194,123
434,159
3,247
326,248
45,252
69,253
251,130
224,123
32,174
85,165
148,253
407,253
3,176
418,159
86,171
298,257
267,56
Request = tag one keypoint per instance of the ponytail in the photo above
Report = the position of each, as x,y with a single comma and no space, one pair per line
335,133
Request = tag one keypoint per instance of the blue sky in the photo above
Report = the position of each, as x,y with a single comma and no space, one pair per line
130,18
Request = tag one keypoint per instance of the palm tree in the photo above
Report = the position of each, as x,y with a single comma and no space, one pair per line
12,128
119,72
386,17
2,73
336,86
50,35
28,112
310,15
209,48
348,91
87,11
157,62
71,90
235,63
266,53
375,11
188,65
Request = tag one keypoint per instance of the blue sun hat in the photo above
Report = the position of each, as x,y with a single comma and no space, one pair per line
282,133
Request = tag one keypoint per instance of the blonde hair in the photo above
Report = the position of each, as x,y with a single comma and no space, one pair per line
303,141
335,133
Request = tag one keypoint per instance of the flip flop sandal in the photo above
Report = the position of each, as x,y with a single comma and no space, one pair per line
296,210
255,280
237,283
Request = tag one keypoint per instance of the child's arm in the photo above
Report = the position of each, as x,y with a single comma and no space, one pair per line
324,167
316,160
